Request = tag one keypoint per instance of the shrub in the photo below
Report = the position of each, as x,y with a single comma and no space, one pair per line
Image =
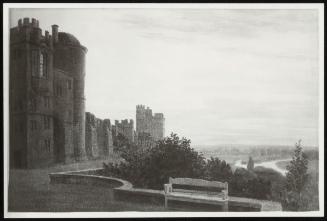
217,169
151,168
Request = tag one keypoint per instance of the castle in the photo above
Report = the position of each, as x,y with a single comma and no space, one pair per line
125,128
48,123
47,104
146,123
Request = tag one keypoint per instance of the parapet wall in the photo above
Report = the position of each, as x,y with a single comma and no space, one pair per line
124,191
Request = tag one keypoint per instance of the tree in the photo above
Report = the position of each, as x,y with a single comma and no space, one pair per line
296,178
218,170
250,165
151,167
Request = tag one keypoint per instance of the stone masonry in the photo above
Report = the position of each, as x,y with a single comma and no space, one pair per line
146,123
47,103
98,137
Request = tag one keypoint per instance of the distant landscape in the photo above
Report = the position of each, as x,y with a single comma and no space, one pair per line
234,152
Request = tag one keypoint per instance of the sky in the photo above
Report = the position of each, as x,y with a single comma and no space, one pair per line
219,76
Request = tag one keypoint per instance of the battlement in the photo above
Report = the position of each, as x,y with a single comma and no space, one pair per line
89,117
159,116
124,122
29,30
140,107
107,123
26,22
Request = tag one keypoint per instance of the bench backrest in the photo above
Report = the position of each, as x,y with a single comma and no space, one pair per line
183,184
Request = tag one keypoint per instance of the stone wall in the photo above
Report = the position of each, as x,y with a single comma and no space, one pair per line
124,191
47,103
98,137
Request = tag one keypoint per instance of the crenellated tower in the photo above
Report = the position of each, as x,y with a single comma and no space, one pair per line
146,123
126,128
31,95
47,103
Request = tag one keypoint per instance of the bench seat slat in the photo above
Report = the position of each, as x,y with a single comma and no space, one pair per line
195,197
210,193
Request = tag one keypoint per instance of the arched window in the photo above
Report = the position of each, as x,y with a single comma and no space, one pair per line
41,65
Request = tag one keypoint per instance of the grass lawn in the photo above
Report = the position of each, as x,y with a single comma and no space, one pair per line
30,191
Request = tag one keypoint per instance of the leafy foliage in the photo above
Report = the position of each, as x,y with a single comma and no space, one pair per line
173,157
217,169
296,179
151,168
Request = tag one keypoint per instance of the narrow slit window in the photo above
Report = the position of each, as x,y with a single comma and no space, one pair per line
41,65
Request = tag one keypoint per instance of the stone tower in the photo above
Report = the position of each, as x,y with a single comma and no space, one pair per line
69,68
146,123
125,128
47,118
31,96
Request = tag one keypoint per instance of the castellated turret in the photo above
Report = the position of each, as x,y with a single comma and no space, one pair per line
154,125
47,109
30,96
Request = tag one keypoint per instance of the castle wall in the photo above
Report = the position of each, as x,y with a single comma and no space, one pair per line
91,136
98,137
105,140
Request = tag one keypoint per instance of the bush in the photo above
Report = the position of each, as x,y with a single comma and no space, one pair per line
151,168
216,169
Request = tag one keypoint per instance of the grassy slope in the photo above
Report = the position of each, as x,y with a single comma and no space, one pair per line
30,191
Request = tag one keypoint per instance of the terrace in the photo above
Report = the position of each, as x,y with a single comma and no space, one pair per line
31,191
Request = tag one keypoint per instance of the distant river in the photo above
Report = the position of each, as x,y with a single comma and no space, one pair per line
268,164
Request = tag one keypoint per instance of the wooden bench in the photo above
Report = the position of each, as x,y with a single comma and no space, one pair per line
197,191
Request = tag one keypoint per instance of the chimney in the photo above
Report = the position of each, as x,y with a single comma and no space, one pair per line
34,23
55,33
20,23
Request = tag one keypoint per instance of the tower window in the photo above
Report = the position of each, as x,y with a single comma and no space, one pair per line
41,65
33,125
47,145
46,121
46,102
33,103
69,84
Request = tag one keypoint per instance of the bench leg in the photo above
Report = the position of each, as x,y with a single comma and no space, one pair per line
166,203
225,206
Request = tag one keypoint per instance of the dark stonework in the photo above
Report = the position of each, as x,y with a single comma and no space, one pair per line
98,137
47,104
